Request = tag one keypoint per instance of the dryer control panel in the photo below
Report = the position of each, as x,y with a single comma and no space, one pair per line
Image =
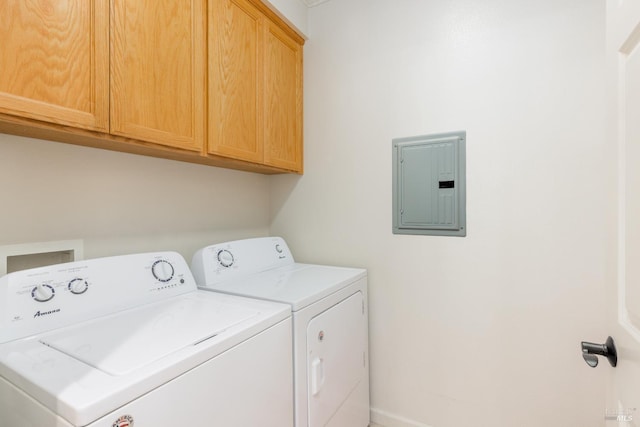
41,299
240,258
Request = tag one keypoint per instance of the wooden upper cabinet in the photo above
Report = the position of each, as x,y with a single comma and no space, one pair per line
54,64
235,91
255,86
209,81
283,100
158,53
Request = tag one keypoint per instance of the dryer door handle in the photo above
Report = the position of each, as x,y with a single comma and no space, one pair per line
317,375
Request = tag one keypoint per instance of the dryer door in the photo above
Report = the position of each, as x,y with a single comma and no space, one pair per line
336,363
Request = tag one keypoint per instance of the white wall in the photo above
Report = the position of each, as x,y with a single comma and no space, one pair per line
122,203
483,330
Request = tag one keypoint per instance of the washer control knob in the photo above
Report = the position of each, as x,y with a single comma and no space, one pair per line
43,293
78,286
225,258
162,270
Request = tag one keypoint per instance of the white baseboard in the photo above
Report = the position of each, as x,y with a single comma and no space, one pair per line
388,419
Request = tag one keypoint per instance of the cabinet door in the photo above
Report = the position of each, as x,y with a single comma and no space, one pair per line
235,92
157,71
54,61
282,100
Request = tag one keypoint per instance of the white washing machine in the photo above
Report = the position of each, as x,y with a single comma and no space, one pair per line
130,341
330,332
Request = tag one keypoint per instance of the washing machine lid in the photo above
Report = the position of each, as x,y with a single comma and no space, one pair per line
299,285
120,344
86,371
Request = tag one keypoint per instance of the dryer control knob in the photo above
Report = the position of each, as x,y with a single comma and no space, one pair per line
162,270
43,293
78,286
225,258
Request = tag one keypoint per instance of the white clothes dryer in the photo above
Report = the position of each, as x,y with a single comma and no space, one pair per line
330,326
130,341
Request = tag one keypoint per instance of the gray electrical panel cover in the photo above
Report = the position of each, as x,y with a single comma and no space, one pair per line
429,188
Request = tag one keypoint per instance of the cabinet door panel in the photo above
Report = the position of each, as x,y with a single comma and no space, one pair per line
157,71
283,100
54,61
235,95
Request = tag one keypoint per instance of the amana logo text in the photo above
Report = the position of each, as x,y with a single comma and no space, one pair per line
44,313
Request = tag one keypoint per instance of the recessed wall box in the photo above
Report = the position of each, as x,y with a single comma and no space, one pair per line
429,185
32,255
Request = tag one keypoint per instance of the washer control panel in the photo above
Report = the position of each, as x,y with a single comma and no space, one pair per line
45,298
233,260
